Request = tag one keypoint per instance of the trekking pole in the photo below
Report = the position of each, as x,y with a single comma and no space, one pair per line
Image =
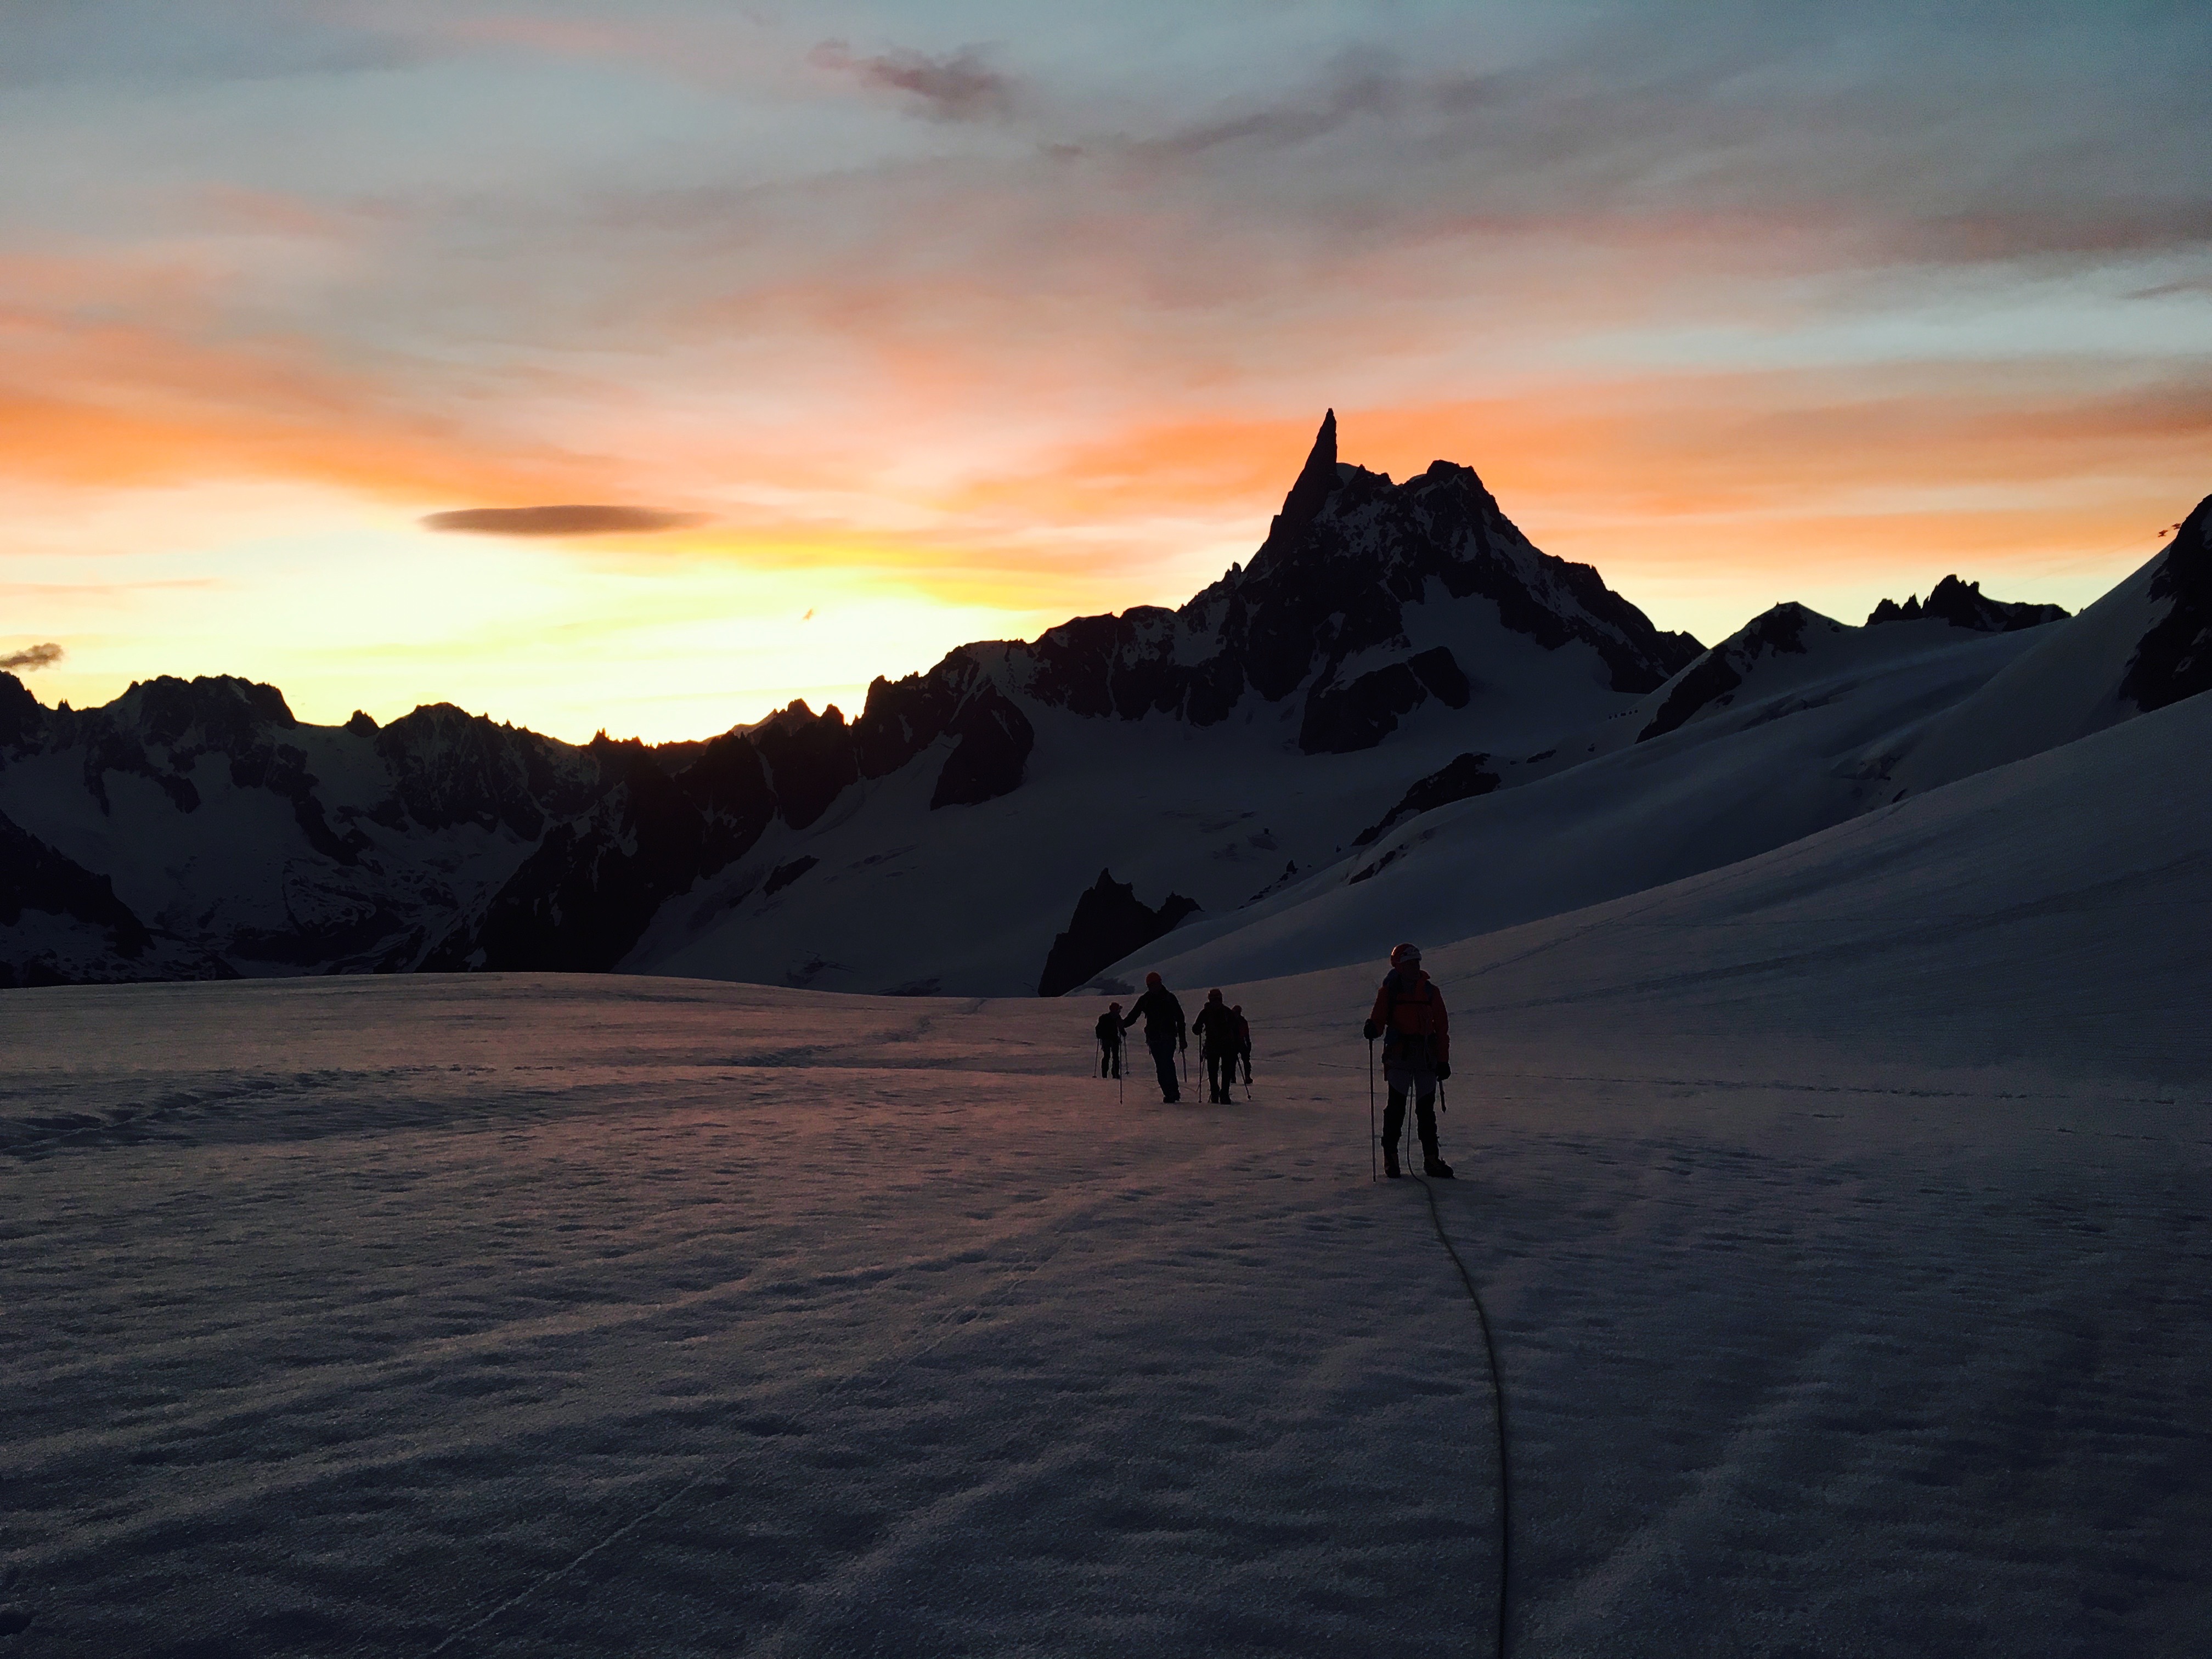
1373,1173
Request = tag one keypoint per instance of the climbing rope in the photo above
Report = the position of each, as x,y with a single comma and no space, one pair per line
1482,1318
1498,1400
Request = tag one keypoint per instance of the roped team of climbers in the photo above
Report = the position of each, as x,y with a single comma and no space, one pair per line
1224,1039
1408,1015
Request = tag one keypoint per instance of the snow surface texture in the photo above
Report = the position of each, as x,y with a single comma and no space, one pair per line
1842,1213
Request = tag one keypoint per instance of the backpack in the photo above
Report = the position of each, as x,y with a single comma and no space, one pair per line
1423,998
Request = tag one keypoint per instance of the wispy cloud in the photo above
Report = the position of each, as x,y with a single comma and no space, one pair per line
36,656
1357,83
572,519
961,86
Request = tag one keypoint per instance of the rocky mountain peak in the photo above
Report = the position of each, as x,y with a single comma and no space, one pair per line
1317,480
1714,678
449,767
2174,659
1344,563
21,715
1961,604
221,710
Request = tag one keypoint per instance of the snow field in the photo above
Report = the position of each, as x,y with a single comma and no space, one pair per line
345,1313
1842,1214
556,1316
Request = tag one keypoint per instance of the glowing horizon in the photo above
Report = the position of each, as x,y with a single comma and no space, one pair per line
894,340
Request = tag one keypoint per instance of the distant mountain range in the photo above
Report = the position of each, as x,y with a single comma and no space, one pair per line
1278,736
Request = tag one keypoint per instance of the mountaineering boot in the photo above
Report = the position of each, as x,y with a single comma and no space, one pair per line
1431,1163
1390,1160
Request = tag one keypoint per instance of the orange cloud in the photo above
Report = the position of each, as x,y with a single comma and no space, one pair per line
112,405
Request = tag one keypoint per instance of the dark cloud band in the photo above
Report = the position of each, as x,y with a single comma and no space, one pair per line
576,518
34,656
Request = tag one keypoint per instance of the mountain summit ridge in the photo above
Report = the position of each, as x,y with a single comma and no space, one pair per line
1325,604
1228,751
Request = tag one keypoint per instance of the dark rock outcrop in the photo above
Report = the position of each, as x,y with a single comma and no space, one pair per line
784,874
1961,604
2174,659
1109,922
903,717
1714,680
811,759
62,924
1462,779
450,767
22,717
1339,719
586,895
34,877
219,711
1439,672
994,740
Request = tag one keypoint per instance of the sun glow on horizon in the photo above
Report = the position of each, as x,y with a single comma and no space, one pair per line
942,359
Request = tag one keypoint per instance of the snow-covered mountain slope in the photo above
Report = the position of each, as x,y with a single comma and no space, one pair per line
2146,644
2050,911
1795,723
1213,750
2047,914
1790,725
234,839
941,839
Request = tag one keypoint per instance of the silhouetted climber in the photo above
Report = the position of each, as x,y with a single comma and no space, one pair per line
1409,1017
1217,1045
1163,1028
1244,1043
1109,1041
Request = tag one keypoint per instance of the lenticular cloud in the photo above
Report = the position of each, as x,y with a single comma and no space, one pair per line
33,656
576,519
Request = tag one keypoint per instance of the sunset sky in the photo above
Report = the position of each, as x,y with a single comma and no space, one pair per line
893,326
